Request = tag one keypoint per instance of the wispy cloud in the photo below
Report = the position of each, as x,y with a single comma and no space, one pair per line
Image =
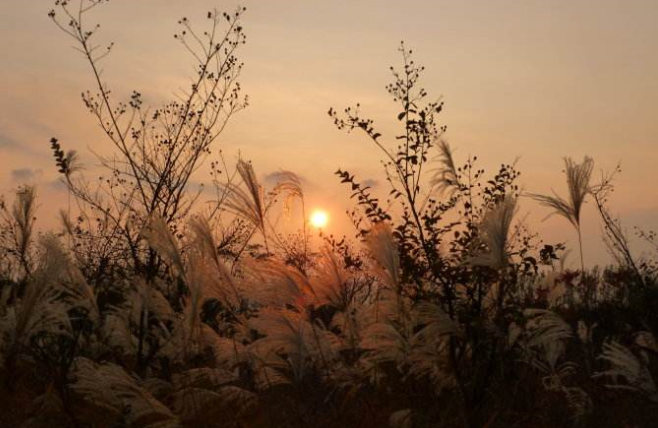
18,138
370,182
24,175
7,141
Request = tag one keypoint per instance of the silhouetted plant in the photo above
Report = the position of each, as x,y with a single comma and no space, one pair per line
578,185
471,266
156,149
17,229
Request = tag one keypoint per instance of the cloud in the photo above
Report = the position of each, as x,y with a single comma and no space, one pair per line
23,175
14,139
370,182
57,185
6,141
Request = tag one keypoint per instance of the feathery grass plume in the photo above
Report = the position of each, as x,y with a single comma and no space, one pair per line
330,282
220,283
548,363
203,239
147,299
190,327
387,336
238,400
388,330
436,324
23,211
76,292
265,377
148,306
272,283
20,221
627,371
209,280
204,280
290,185
384,249
197,406
495,229
142,302
116,332
191,335
446,177
292,345
579,402
429,356
544,327
43,307
111,395
249,204
544,346
544,337
388,342
200,276
229,352
401,419
203,377
578,184
204,394
351,325
157,387
159,237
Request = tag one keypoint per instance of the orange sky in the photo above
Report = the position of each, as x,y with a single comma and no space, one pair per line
537,80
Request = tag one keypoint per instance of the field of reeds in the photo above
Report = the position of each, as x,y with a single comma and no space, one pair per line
443,310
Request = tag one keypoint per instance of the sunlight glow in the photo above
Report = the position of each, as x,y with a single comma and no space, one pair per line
319,219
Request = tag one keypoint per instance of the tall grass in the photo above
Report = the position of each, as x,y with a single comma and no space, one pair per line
579,186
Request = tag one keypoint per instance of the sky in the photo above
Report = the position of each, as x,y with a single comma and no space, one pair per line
527,79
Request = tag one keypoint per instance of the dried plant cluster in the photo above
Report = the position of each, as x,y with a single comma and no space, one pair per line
444,311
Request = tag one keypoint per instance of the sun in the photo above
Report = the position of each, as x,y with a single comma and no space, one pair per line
319,219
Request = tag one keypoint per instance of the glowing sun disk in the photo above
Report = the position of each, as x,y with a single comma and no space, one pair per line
319,219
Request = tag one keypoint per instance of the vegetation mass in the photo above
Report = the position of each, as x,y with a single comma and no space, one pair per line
445,310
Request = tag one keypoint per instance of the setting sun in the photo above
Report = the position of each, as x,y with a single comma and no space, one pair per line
319,219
